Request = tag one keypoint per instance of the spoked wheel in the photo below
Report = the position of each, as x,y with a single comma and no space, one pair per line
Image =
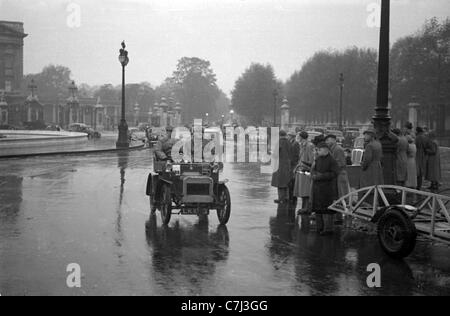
224,210
396,233
166,204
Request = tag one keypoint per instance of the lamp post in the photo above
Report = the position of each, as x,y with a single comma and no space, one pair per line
382,118
122,141
232,117
275,99
137,110
341,85
73,102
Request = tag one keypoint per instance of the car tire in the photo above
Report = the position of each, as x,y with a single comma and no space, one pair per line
224,210
396,233
166,204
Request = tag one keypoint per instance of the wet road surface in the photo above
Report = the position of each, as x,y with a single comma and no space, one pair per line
92,210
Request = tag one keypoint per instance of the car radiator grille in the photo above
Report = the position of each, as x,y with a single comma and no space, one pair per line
198,189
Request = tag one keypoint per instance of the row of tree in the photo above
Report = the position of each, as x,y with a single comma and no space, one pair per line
193,84
420,67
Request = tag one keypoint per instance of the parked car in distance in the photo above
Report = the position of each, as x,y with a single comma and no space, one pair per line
54,128
83,128
136,134
358,150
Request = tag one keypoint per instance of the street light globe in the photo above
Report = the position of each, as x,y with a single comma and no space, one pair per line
232,112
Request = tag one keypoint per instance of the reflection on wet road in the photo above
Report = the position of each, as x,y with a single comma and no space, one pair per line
92,210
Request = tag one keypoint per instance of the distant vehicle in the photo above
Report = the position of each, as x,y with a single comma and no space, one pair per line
35,125
143,127
316,129
83,128
154,133
358,151
313,135
9,127
54,128
136,134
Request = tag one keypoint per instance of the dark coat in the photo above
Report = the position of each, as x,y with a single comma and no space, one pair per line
372,171
324,187
433,170
282,177
295,154
423,144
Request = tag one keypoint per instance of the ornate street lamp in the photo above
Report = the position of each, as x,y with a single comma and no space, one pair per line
32,87
122,141
275,101
73,102
382,118
137,110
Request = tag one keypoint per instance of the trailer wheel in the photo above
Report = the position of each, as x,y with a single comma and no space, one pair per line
224,210
397,233
166,204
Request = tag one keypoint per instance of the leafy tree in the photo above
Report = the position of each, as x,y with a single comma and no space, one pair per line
420,67
253,93
107,92
194,67
53,82
314,91
193,84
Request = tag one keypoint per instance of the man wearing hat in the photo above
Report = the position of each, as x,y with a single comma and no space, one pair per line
163,148
372,171
338,153
324,190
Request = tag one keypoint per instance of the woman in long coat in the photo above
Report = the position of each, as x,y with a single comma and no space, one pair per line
302,188
433,169
282,174
372,171
324,188
401,162
411,182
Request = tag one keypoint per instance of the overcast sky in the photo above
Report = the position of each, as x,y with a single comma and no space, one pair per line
229,33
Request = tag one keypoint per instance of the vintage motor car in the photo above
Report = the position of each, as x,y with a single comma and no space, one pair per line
189,188
83,128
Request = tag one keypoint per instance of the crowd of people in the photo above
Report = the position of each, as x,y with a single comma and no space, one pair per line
314,172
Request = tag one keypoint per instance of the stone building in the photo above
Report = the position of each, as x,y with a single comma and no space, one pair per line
13,109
